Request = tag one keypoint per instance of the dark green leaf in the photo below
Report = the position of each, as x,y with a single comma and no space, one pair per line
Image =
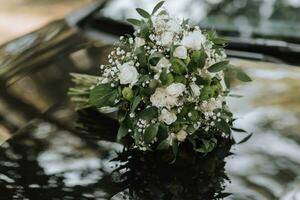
135,22
197,60
148,113
135,103
154,58
175,150
150,133
219,41
227,79
242,76
144,30
143,13
103,95
223,126
163,145
158,6
218,66
123,131
239,130
245,139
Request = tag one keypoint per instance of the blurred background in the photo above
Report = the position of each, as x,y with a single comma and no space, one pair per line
42,41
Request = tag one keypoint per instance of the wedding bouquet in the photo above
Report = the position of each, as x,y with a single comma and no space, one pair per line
168,83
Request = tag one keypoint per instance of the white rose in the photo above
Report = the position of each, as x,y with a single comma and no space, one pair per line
181,135
139,42
161,99
193,40
163,63
167,38
195,89
175,89
180,52
128,74
167,117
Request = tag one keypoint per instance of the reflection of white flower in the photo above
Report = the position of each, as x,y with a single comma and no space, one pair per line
139,42
128,74
181,135
162,99
167,117
195,89
163,63
193,40
175,89
180,52
167,38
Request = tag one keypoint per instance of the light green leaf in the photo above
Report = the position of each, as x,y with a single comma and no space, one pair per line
103,95
150,133
242,76
178,66
143,13
135,22
218,66
158,6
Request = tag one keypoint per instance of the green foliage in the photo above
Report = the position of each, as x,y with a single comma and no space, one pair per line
218,66
151,133
103,95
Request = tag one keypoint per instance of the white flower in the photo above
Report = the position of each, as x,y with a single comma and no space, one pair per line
195,89
167,117
161,99
162,63
180,52
175,89
128,74
139,42
173,25
193,40
181,135
167,38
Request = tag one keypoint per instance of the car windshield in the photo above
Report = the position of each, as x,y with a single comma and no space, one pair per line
276,19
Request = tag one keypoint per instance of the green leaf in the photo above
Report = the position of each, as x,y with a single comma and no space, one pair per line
143,13
227,79
223,126
163,132
175,150
135,22
137,100
242,76
141,55
103,95
219,41
144,30
218,66
245,139
148,113
154,58
197,60
150,133
178,66
163,145
122,132
158,6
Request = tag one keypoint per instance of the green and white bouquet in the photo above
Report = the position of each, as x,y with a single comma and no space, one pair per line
168,83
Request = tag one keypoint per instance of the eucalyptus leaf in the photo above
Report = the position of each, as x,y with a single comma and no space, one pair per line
103,95
135,22
242,76
157,7
143,13
218,66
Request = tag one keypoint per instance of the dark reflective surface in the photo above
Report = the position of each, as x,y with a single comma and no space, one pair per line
47,157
